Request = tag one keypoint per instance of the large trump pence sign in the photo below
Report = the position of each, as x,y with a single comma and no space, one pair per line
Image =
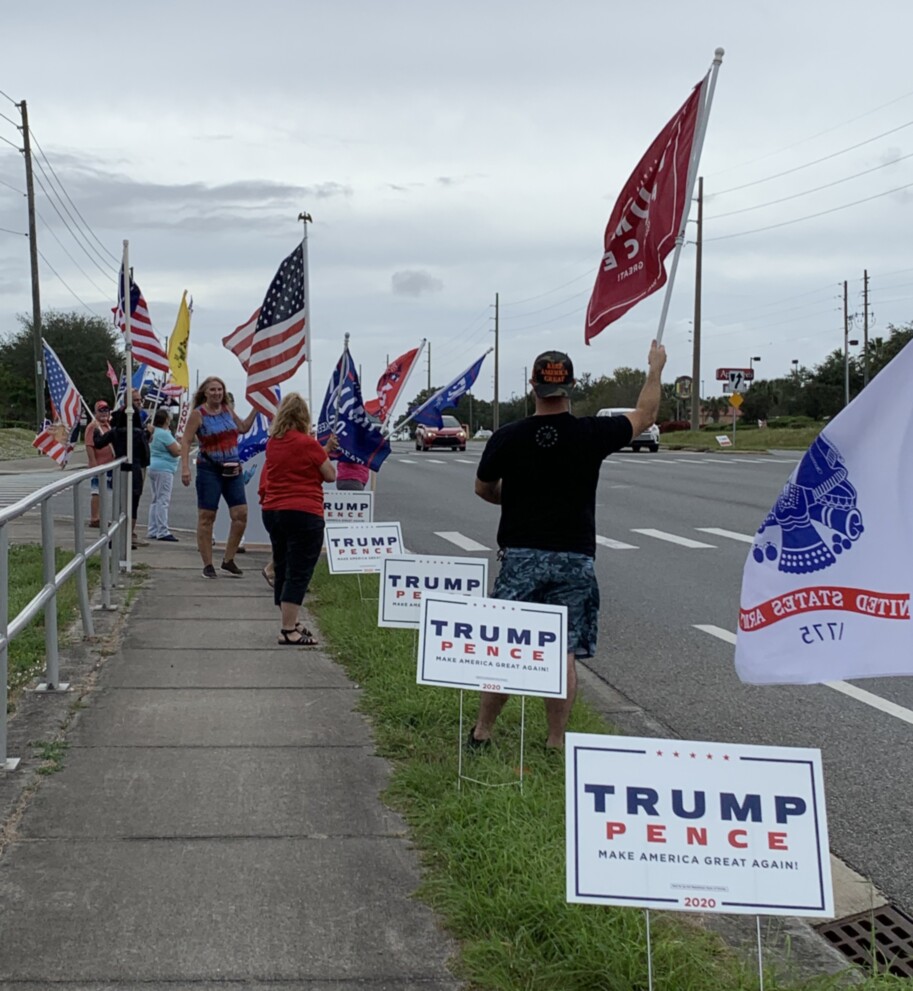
492,645
360,547
696,827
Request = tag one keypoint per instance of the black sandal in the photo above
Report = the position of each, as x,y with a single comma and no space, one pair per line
286,641
307,638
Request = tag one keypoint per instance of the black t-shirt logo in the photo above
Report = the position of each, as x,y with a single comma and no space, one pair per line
546,436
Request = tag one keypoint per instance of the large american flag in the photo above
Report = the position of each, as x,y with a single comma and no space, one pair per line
147,348
64,395
273,343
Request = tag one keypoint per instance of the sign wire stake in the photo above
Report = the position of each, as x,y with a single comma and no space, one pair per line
760,955
649,951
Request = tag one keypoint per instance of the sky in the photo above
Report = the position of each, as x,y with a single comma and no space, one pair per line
449,152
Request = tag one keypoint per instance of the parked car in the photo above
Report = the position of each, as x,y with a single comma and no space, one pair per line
451,434
648,439
483,434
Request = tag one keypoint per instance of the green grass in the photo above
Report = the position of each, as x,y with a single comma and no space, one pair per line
26,652
494,858
16,442
746,438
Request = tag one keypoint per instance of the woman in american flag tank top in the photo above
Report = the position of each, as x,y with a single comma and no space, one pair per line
216,426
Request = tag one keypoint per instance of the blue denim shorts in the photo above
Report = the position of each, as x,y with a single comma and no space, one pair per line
211,486
555,578
94,483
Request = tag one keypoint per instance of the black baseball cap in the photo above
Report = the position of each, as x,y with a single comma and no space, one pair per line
553,375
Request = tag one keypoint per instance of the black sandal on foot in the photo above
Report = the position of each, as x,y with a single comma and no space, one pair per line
307,638
286,641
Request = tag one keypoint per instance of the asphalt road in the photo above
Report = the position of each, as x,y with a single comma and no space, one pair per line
655,596
658,599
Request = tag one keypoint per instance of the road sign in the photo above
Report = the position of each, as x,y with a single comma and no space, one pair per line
736,400
737,380
722,374
682,388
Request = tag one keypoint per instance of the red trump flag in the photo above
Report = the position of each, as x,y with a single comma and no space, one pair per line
390,384
646,220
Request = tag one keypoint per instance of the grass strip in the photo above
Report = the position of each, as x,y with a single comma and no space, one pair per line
747,438
494,858
16,442
26,652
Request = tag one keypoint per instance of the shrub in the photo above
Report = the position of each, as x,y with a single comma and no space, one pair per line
671,426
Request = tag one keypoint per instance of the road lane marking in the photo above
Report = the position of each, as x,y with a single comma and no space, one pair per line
715,531
716,461
615,545
463,542
851,691
406,461
464,461
673,538
434,461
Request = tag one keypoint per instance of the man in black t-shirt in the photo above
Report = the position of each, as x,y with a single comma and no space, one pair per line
543,472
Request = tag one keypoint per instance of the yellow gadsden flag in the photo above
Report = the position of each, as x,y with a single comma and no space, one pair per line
177,345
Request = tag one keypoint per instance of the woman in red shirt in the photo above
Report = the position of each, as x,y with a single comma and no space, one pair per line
291,497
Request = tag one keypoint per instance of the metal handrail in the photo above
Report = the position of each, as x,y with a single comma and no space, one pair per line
111,546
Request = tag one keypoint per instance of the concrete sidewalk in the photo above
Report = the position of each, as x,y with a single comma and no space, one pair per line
217,818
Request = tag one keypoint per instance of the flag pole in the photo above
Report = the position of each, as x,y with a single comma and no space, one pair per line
343,375
128,353
306,219
701,130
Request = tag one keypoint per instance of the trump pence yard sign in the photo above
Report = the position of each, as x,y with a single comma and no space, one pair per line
492,645
359,547
348,507
698,827
405,580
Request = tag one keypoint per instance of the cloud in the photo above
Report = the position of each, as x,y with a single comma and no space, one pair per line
412,282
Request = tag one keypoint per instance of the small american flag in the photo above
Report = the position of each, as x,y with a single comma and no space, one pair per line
147,348
54,441
273,343
64,395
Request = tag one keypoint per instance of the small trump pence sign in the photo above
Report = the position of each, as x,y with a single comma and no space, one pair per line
493,645
348,507
359,547
696,827
405,580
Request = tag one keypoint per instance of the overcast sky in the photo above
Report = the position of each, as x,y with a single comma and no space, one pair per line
451,151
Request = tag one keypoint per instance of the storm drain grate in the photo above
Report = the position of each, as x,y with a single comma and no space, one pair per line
879,940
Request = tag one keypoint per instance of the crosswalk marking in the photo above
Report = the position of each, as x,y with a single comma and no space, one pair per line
461,540
615,545
673,538
715,531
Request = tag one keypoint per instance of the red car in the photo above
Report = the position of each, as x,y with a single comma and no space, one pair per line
452,434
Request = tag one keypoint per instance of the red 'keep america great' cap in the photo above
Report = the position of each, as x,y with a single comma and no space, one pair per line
553,375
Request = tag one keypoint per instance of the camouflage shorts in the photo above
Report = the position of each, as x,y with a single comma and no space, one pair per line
555,578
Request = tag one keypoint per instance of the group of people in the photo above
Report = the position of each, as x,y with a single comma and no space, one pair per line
542,471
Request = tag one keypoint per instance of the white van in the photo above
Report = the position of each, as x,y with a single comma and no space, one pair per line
648,439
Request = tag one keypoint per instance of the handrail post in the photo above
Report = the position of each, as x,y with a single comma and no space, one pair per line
49,571
122,535
6,763
104,517
82,579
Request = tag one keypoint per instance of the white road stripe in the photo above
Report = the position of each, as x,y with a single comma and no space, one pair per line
463,542
615,545
464,461
673,538
717,461
715,531
434,461
851,691
406,461
748,461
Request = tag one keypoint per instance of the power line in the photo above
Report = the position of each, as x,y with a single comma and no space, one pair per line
10,143
811,216
817,161
53,234
807,192
15,123
70,229
75,296
811,137
65,193
9,98
6,230
13,188
519,302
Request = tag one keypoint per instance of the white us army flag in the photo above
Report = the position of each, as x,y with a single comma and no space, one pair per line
826,587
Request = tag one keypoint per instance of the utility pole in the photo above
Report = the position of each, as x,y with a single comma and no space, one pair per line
429,366
846,349
865,328
696,353
496,418
525,390
33,255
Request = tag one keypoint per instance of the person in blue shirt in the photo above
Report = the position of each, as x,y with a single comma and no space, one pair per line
163,464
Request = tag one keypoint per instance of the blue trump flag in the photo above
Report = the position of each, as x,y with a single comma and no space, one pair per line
361,439
429,413
254,441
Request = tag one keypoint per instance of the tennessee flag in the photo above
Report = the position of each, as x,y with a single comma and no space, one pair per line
826,587
177,345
